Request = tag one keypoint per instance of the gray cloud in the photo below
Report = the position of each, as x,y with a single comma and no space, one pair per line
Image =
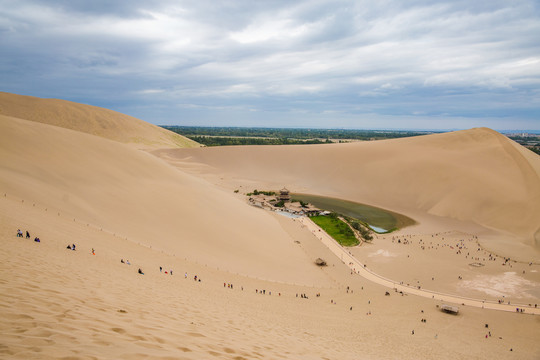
453,64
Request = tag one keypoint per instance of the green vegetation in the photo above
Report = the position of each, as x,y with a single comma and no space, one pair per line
231,141
219,136
531,142
337,229
363,230
257,192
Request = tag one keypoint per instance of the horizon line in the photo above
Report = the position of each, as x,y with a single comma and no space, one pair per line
529,131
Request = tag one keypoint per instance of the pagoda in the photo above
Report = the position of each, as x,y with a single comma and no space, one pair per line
284,195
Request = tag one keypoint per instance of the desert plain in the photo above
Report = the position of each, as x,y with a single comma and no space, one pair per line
226,280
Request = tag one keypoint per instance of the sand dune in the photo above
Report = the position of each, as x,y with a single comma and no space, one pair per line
474,175
67,186
134,194
92,120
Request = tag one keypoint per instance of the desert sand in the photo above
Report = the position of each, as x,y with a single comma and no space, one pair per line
176,209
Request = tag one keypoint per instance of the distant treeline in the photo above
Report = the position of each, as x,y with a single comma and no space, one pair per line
222,141
217,136
530,142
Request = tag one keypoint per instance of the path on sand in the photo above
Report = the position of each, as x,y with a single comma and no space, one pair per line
355,265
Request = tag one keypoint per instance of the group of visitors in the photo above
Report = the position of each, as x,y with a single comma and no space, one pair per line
166,272
20,234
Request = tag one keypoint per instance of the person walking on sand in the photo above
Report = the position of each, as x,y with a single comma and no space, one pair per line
19,233
27,234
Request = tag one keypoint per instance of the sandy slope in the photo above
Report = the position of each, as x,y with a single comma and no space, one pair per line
136,195
474,175
92,120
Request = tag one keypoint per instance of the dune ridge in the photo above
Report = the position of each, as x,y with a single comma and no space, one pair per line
92,120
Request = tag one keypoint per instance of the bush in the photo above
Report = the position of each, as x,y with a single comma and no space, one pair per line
267,193
366,234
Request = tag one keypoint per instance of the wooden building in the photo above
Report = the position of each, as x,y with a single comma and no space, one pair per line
284,195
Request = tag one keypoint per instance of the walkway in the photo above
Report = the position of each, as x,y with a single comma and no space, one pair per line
355,265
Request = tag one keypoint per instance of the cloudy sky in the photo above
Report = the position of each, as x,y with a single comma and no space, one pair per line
316,63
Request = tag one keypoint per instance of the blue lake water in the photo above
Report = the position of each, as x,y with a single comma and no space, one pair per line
371,215
377,229
287,214
379,220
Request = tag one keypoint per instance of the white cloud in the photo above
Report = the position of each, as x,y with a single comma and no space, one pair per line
388,57
150,91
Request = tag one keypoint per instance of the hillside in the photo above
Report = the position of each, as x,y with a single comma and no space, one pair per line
92,120
139,197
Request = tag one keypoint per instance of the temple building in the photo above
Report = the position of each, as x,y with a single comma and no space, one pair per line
284,195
